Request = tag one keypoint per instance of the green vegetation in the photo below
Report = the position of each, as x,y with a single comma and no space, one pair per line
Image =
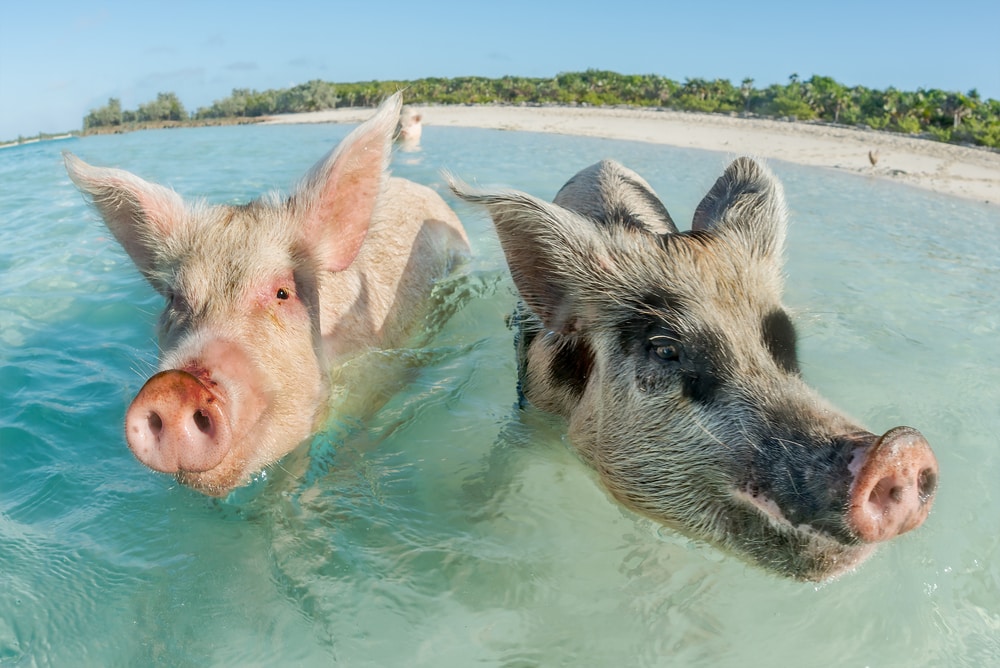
166,107
942,115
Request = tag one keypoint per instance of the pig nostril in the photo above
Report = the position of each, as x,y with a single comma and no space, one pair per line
155,423
202,421
893,489
926,484
885,492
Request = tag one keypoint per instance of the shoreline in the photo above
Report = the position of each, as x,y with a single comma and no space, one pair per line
950,169
37,140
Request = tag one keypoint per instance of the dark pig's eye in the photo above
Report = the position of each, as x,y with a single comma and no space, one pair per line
282,293
175,301
665,349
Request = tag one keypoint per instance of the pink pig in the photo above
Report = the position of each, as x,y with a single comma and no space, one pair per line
409,129
265,299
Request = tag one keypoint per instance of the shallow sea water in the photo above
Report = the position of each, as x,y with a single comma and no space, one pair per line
451,529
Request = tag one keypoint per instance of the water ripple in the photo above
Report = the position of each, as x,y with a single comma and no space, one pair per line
449,528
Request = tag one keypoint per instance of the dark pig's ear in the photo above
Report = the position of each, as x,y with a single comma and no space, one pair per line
556,256
747,202
140,215
339,195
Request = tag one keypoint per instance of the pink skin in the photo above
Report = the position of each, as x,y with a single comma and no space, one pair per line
410,127
894,485
264,300
221,407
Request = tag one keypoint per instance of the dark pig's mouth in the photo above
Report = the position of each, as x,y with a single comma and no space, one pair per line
889,490
801,551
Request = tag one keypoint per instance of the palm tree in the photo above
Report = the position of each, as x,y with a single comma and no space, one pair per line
746,90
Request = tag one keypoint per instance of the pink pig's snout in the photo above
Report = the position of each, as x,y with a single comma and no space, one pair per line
894,486
177,424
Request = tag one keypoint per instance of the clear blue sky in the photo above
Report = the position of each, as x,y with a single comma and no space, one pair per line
59,59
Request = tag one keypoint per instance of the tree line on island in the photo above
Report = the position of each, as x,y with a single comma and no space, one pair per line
942,115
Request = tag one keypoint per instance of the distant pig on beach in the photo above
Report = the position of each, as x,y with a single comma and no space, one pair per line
264,299
409,129
674,362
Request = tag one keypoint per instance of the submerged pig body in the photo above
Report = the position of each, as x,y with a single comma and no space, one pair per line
264,299
673,360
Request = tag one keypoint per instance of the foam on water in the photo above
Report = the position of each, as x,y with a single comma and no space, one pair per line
451,529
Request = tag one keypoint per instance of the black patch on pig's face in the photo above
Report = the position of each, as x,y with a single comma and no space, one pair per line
779,337
571,365
700,367
665,358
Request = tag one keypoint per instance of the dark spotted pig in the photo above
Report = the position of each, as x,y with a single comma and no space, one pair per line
674,362
264,299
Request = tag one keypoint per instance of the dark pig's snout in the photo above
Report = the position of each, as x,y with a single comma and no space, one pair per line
177,424
894,485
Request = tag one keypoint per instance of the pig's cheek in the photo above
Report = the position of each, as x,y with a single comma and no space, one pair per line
590,430
292,342
652,380
289,317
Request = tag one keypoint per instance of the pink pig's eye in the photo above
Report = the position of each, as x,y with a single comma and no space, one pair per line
282,293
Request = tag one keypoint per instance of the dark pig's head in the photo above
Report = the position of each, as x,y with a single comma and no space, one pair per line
242,376
674,362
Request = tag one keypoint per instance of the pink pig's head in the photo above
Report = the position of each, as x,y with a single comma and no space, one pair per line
243,375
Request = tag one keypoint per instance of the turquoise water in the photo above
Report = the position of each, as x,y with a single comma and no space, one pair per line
450,530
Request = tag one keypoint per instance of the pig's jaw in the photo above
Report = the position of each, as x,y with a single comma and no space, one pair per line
260,445
211,483
823,557
248,410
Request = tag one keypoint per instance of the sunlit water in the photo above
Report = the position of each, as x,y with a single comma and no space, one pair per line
452,530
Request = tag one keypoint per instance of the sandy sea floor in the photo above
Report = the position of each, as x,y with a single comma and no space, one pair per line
965,172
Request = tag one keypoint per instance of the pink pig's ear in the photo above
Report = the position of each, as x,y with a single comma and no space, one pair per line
339,195
139,214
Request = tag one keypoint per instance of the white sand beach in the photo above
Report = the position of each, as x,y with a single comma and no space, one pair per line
954,170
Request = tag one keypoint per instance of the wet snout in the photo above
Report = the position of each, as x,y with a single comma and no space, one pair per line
894,485
176,424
